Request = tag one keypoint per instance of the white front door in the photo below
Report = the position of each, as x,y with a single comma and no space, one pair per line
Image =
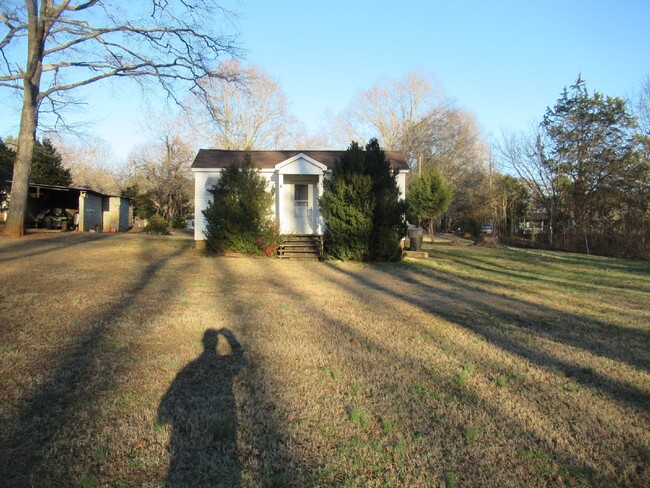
299,209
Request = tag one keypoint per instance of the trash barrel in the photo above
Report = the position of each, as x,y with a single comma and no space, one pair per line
415,239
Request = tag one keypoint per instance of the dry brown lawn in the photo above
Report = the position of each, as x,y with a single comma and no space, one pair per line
132,360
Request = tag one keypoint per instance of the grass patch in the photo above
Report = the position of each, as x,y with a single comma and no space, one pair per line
359,416
111,376
451,480
330,373
424,392
223,429
470,434
88,481
387,426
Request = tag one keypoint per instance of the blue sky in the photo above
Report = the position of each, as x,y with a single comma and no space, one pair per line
505,61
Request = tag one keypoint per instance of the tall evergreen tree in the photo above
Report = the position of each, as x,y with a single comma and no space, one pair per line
7,156
47,166
365,217
592,145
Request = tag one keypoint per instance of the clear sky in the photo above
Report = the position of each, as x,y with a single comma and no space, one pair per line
505,61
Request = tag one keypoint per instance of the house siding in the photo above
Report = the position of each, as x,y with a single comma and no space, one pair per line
203,182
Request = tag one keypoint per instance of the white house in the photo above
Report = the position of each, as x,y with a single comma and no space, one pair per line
296,176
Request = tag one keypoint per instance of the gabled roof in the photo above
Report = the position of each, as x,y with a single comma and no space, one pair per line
221,158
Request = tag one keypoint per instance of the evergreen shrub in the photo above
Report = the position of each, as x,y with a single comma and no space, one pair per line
157,225
239,217
178,222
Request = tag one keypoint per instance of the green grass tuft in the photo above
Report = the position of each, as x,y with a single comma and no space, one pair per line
359,416
88,481
470,434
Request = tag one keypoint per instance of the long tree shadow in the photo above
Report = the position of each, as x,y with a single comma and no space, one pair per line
200,406
579,331
23,248
348,352
450,305
633,266
533,272
49,412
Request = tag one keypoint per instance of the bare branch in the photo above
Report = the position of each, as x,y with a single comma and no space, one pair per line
74,43
10,85
83,6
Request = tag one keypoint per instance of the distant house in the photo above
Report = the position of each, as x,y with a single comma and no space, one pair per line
296,176
95,211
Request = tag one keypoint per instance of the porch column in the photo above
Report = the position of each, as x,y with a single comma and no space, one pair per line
280,197
319,218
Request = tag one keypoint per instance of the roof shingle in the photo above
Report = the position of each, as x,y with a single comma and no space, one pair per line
221,158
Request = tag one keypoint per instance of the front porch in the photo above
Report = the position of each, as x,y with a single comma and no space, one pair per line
299,185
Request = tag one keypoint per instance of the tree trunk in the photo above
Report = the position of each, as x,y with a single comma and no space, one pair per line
36,33
15,226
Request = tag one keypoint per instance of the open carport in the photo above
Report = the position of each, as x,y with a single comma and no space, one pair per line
96,211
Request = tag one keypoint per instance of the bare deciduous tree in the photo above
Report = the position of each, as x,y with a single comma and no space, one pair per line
50,47
400,113
243,108
91,162
523,154
161,168
456,146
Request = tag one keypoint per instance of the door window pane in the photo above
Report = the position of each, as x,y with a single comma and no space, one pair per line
301,194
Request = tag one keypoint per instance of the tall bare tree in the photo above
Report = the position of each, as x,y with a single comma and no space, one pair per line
400,113
523,154
161,168
243,108
50,47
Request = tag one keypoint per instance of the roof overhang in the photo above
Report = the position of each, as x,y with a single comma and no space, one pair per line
300,164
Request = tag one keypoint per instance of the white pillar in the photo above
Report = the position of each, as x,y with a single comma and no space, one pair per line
280,197
319,218
201,198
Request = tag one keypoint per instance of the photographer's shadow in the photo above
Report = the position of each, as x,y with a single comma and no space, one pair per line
200,406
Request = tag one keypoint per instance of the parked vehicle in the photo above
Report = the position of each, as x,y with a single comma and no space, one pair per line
487,229
55,218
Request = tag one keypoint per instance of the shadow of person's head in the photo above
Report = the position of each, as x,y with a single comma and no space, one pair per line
221,342
210,340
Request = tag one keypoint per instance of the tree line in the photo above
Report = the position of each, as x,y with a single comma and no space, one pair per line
578,181
585,171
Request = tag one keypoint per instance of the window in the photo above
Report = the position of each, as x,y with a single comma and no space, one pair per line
301,197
